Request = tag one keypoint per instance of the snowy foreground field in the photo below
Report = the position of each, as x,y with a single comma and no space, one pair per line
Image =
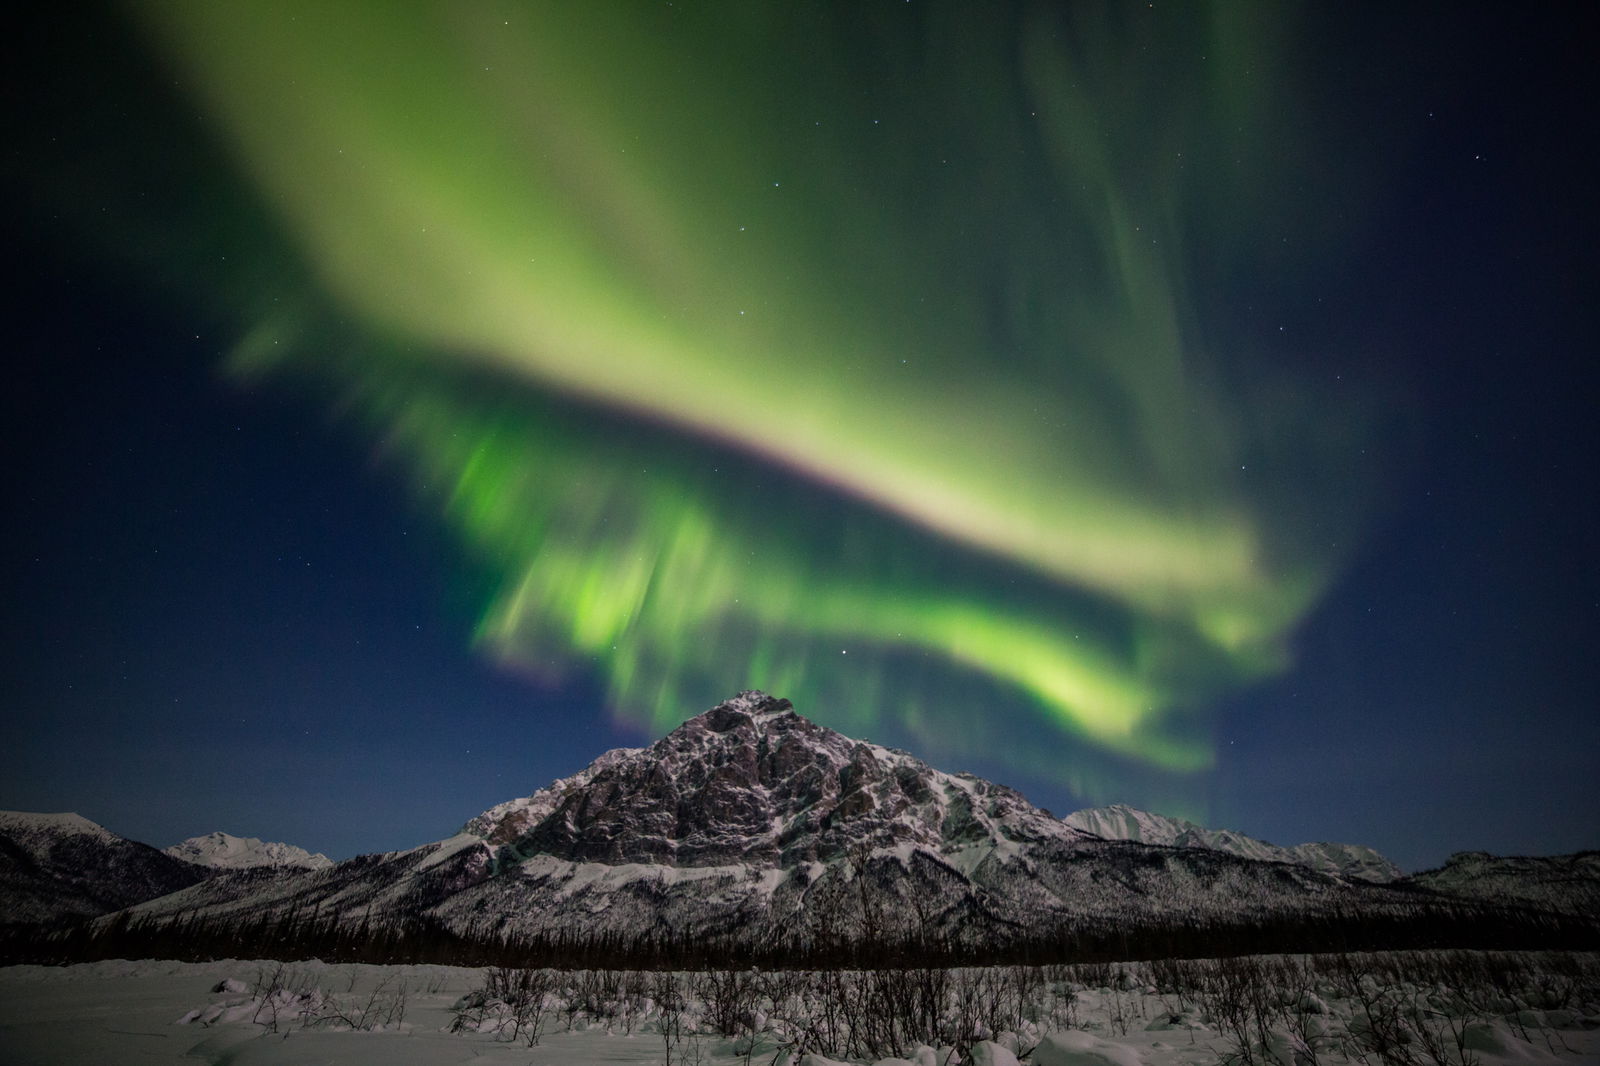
1421,1008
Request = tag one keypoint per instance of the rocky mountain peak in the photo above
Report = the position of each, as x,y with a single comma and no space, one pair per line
751,781
753,705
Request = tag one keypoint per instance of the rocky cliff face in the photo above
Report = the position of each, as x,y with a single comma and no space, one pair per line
752,782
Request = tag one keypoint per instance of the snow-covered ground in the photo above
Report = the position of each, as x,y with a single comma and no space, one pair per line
1539,1010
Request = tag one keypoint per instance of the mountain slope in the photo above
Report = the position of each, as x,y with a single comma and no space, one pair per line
507,821
56,866
1119,822
222,851
1566,884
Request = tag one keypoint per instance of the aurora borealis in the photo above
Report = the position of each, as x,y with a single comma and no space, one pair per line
970,378
972,318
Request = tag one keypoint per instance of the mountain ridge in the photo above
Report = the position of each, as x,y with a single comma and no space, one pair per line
750,826
64,866
1121,822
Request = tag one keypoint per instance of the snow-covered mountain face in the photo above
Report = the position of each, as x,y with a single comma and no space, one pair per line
55,866
223,851
751,823
1119,822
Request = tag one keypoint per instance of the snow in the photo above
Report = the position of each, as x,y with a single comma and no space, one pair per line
54,825
1565,883
1495,1040
607,877
224,851
989,1053
1121,822
1083,1049
156,1012
446,848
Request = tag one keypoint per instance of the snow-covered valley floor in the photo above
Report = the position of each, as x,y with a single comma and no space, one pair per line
1460,1009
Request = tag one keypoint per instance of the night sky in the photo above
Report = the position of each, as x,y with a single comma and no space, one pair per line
1185,407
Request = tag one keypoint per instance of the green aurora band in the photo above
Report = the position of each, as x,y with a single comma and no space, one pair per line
851,353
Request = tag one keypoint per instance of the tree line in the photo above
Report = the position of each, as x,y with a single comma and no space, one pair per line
299,933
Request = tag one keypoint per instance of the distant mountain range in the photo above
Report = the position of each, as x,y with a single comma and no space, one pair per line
750,824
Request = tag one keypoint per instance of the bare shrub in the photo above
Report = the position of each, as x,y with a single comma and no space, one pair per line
730,998
670,1006
513,1003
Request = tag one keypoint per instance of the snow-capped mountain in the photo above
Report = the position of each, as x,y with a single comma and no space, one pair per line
1119,822
751,823
55,866
223,851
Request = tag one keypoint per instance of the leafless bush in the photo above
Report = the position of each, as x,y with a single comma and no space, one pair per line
513,1003
1118,1012
595,994
284,996
1438,1037
631,1004
468,1012
384,1006
671,1005
1093,974
1403,1009
1226,996
887,1021
730,998
1180,978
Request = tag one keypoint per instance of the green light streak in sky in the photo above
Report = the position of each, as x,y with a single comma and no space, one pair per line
669,579
942,264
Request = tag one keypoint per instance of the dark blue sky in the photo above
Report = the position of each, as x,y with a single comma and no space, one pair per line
222,610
